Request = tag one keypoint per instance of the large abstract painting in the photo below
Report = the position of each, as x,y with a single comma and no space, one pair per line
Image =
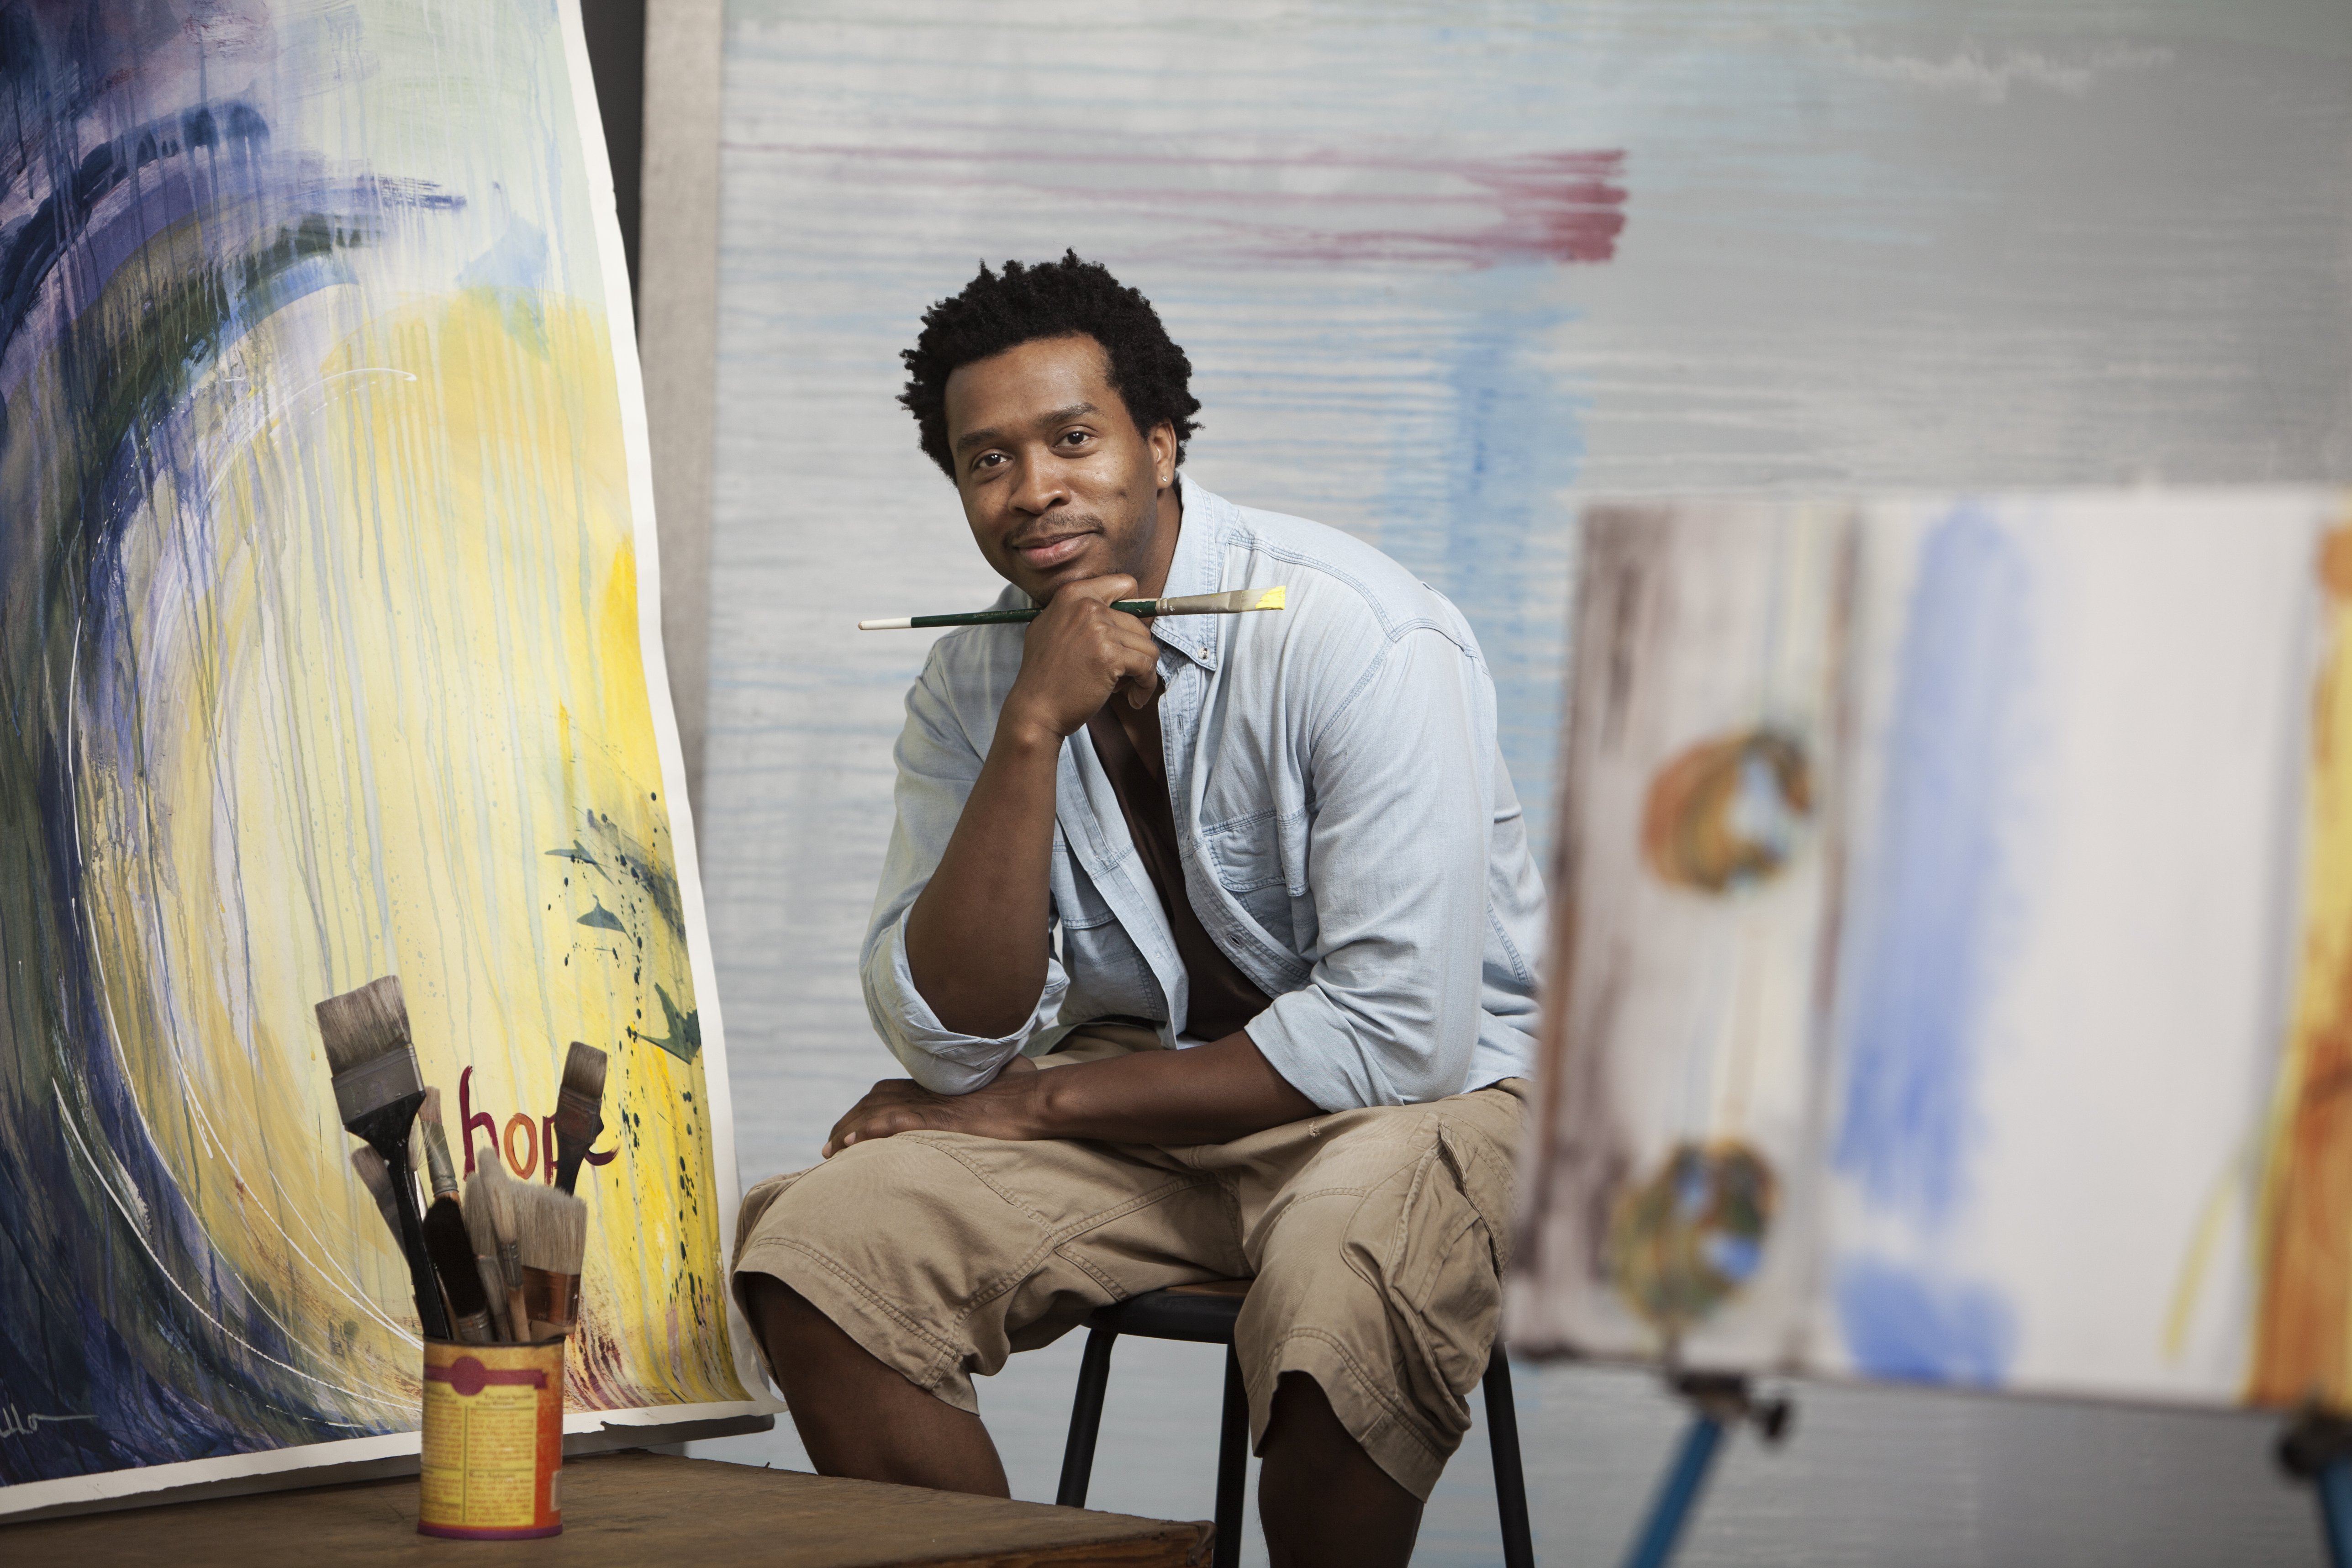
325,653
1950,975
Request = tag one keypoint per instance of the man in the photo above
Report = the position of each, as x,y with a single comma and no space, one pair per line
1208,942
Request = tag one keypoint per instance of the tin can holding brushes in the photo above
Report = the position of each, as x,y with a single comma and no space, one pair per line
493,1449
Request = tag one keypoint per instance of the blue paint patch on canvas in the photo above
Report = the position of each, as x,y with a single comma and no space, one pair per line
1901,1326
1489,529
1933,911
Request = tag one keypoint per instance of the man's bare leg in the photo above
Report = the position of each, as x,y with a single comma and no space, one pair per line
1322,1498
858,1418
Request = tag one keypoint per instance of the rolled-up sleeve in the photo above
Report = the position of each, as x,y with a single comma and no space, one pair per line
938,765
1397,866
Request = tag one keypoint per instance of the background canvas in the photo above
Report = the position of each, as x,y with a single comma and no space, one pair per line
1869,244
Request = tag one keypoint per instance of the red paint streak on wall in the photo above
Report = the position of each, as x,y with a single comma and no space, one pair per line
1562,207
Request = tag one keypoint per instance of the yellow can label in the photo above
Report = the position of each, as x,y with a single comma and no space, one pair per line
493,1447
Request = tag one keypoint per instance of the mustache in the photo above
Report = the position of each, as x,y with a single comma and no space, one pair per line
1062,528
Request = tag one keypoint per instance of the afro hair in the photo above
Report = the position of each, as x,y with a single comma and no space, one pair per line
1069,298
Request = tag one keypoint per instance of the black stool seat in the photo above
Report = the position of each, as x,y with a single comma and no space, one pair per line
1205,1314
1202,1313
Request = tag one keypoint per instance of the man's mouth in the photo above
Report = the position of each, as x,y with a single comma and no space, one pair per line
1042,554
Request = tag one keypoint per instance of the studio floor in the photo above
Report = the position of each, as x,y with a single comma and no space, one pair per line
1869,1478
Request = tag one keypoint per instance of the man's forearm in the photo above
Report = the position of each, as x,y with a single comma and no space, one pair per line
977,938
1207,1094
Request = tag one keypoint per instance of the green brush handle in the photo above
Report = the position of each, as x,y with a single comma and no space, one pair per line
1013,617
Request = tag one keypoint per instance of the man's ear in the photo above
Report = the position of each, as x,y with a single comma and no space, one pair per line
1163,453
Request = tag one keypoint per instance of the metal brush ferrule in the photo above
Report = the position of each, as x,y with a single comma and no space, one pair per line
377,1082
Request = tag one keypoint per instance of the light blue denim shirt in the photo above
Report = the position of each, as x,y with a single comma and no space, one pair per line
1349,833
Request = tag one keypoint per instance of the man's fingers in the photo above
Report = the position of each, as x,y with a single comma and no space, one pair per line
883,1123
1102,590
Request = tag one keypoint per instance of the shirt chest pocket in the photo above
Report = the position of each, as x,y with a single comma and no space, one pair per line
1260,860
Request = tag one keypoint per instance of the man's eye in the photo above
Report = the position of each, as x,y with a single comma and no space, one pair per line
1074,438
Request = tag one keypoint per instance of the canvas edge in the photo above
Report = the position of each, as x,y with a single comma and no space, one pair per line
388,1457
637,449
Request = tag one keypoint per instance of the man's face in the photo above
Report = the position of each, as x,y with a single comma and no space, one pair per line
1057,482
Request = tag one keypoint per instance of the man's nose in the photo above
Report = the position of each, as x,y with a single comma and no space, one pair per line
1041,488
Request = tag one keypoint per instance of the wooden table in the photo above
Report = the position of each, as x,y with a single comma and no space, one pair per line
625,1510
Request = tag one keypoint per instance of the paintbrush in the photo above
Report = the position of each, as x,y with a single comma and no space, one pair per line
1239,601
377,1091
453,1260
483,1235
436,1146
579,1110
377,1179
553,1232
500,1190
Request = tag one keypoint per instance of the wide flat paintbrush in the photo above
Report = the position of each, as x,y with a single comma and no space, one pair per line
482,1231
377,1090
579,1110
453,1260
554,1236
1236,602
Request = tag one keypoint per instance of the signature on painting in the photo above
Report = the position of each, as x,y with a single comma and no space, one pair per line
17,1423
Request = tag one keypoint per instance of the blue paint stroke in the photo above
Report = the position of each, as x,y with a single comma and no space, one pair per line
1934,912
1905,1327
1487,525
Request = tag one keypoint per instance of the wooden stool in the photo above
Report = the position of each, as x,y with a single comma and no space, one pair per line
1205,1314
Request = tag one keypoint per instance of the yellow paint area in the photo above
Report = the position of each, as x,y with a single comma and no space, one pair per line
390,715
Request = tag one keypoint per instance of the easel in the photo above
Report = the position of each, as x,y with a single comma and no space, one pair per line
2318,1448
1719,1403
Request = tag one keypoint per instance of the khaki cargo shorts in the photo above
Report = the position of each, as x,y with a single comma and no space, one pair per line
1377,1239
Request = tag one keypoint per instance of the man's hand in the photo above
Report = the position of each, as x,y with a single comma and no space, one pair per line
1006,1108
1076,654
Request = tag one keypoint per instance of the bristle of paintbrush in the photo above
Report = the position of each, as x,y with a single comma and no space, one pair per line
480,1228
1238,601
361,1026
453,1261
436,1145
553,1229
377,1179
579,1110
554,1237
377,1090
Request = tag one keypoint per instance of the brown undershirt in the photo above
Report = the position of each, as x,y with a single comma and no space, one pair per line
1127,739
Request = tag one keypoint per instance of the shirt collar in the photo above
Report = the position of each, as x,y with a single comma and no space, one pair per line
1197,567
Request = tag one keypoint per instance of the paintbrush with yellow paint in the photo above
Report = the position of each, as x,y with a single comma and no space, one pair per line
1239,601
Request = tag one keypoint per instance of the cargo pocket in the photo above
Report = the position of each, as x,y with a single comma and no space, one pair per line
1444,1272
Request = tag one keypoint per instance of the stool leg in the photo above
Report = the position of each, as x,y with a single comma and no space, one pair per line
1510,1480
1085,1419
1233,1465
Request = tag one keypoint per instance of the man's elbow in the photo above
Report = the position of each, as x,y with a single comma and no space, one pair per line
939,1075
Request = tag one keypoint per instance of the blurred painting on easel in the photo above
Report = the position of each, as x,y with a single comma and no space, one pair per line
1952,972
